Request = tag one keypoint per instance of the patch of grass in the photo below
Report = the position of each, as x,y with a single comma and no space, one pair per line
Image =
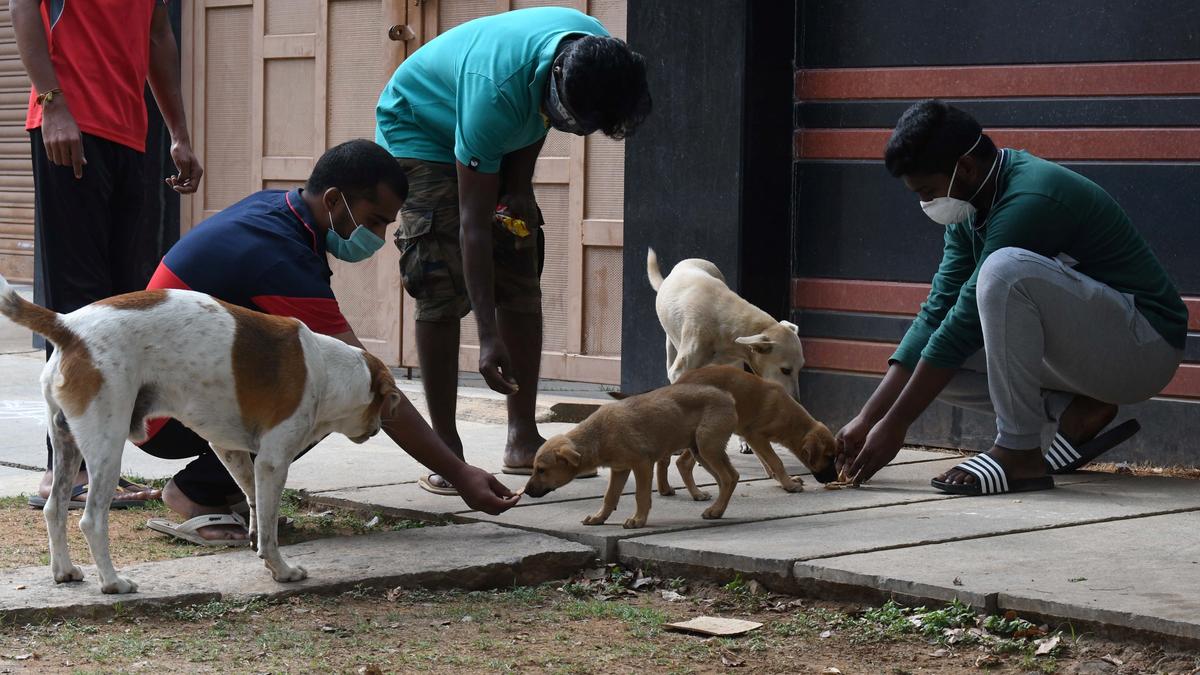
738,585
642,621
219,609
326,520
20,501
892,621
156,483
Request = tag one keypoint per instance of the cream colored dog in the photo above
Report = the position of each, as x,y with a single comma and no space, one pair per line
709,325
633,434
259,388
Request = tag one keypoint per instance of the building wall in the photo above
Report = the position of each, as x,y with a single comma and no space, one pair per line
707,175
1110,89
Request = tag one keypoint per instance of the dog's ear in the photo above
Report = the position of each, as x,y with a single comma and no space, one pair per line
569,455
818,443
392,401
760,343
790,326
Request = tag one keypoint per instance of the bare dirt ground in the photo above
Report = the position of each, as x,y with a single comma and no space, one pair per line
606,620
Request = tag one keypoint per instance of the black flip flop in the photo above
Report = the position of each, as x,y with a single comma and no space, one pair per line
39,502
991,479
1062,457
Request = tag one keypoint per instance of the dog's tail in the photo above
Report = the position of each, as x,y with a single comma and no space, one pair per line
37,319
652,271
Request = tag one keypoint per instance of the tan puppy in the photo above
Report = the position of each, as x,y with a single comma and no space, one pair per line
766,414
632,435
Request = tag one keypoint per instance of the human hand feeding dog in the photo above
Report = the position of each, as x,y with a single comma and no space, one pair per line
630,436
261,389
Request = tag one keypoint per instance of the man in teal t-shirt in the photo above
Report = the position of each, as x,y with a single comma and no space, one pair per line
1048,308
466,116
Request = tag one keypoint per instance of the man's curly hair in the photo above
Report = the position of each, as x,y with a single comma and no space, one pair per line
605,84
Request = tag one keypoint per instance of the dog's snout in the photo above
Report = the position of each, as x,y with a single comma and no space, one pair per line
536,491
826,475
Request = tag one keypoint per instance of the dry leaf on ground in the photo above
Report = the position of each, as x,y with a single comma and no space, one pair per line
1047,645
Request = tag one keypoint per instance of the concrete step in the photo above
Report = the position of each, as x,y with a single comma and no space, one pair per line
469,557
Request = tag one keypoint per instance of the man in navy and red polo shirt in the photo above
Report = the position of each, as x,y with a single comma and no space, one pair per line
267,253
89,63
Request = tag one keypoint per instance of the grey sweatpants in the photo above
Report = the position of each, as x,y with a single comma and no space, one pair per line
1050,333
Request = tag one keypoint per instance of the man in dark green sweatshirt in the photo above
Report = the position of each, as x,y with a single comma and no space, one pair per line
1048,308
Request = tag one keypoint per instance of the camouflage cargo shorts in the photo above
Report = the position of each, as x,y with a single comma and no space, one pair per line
431,261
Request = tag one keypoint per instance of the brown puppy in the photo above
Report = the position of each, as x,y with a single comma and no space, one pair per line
632,435
766,414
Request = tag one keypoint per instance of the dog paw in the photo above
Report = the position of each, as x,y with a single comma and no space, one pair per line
594,520
701,496
668,492
289,573
794,487
633,523
119,586
712,513
69,575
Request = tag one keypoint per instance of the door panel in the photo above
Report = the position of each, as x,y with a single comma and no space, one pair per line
263,126
315,68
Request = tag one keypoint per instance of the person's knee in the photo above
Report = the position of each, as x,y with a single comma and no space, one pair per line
1003,269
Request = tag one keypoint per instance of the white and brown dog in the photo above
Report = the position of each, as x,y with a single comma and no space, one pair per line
259,388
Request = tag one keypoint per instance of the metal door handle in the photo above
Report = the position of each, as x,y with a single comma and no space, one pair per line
401,33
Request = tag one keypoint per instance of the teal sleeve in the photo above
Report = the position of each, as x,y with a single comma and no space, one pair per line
1032,222
956,266
485,121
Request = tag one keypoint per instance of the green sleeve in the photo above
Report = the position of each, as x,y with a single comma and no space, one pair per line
485,122
957,264
1032,222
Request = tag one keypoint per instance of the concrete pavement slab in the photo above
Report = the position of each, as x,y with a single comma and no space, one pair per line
14,338
1139,574
772,547
411,501
456,556
752,501
337,463
14,482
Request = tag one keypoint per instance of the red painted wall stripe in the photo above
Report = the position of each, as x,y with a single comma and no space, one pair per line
858,356
852,295
1132,143
890,297
1152,78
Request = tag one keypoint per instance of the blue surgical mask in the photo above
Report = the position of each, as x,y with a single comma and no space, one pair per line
361,245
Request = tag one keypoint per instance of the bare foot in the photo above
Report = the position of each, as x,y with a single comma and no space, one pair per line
187,509
121,495
1084,418
1018,464
521,448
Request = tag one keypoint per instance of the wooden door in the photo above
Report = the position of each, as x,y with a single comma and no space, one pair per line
579,185
16,170
275,83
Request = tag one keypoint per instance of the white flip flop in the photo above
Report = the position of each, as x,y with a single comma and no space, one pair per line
187,530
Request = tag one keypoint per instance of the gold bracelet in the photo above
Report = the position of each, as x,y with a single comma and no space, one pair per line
47,97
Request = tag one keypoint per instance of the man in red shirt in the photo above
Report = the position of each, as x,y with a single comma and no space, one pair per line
89,63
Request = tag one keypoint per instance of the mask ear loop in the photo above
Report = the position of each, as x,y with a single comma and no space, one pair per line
954,173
